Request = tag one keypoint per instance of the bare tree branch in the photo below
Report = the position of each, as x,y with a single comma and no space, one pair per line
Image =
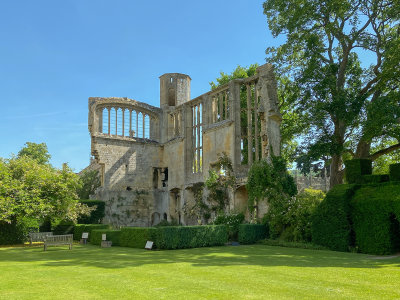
384,151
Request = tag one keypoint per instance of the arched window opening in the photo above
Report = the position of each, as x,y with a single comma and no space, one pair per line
147,127
119,122
105,121
113,118
140,125
126,122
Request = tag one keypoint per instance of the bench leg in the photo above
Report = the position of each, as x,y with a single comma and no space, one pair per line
70,246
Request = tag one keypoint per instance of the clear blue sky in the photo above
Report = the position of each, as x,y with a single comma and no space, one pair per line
56,54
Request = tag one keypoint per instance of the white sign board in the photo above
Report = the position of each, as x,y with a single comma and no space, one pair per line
104,237
149,245
85,235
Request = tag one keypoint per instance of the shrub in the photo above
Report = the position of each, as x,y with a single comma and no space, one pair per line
299,214
136,237
232,222
394,171
97,215
112,235
271,181
190,236
252,233
357,167
331,223
80,228
376,215
166,223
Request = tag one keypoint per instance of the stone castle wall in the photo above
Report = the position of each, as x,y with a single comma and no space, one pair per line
150,158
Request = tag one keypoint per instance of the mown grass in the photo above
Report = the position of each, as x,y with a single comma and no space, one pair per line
243,272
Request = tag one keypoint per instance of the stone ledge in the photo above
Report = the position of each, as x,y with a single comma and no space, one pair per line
218,125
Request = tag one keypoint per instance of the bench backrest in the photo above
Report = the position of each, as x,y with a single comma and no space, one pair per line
58,239
39,236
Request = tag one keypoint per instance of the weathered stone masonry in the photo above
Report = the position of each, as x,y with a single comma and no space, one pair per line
149,158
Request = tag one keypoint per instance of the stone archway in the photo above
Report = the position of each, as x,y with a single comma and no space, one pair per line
155,218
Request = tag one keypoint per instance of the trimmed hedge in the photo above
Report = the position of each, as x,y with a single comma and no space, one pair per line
97,215
232,223
17,231
374,178
331,224
355,168
174,237
394,171
376,216
64,227
80,228
136,237
252,233
112,235
11,234
177,237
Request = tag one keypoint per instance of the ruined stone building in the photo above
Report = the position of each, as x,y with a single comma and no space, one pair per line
149,158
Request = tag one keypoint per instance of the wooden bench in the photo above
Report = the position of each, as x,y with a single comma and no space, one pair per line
38,236
55,240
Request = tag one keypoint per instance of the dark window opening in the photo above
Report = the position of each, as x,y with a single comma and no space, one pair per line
165,178
155,178
171,97
165,216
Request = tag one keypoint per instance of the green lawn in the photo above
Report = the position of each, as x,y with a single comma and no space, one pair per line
244,272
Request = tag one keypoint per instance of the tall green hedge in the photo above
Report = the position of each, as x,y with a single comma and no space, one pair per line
376,216
97,215
136,237
374,178
11,234
252,233
394,171
112,235
331,223
355,168
64,227
176,237
80,228
17,231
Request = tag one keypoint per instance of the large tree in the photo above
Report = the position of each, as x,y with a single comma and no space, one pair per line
343,56
31,189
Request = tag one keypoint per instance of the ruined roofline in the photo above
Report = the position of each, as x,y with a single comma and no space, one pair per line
263,68
175,74
104,101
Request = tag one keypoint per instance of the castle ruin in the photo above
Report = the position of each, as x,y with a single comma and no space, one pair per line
149,158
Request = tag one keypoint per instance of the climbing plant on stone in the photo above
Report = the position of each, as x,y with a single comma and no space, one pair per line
270,181
220,180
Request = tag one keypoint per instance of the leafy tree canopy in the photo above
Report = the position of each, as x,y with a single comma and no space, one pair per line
90,181
32,189
351,105
38,152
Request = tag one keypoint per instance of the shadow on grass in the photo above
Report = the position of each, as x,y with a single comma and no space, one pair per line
256,255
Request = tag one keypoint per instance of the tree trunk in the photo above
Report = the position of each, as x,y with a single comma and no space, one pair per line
363,149
336,176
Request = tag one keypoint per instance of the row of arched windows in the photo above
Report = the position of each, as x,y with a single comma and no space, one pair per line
125,122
